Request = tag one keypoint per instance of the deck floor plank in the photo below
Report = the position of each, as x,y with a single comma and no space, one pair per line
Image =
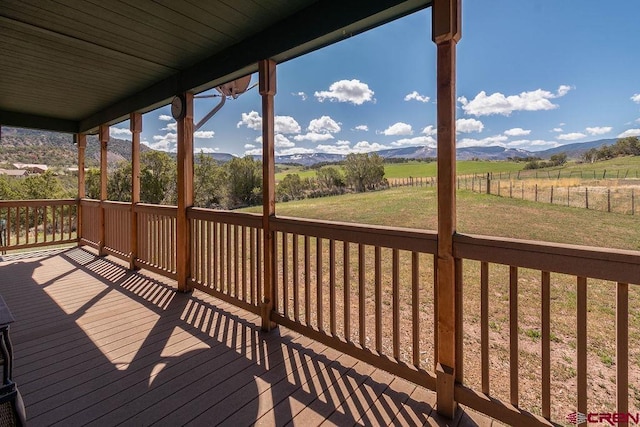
97,344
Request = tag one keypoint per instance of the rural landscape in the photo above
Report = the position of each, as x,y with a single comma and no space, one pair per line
585,196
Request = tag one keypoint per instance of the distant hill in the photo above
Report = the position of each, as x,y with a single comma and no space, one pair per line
57,149
576,150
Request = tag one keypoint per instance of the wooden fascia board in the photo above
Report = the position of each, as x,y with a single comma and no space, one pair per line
31,121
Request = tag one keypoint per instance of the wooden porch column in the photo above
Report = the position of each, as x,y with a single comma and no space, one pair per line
267,71
81,140
103,135
135,126
446,33
185,195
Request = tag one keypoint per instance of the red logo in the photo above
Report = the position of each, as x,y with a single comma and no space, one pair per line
576,418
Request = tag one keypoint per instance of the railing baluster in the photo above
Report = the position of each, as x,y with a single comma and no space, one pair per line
229,255
361,297
513,335
332,286
236,265
260,267
622,345
459,320
285,274
396,302
378,297
296,282
435,311
209,254
581,346
53,222
222,237
546,344
319,285
346,263
244,263
415,307
252,263
484,325
307,281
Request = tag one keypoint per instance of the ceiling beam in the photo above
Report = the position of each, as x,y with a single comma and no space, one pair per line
323,23
31,121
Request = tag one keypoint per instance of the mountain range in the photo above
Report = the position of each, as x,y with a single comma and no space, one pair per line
57,149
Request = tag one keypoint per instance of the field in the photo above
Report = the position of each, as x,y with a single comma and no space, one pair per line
415,207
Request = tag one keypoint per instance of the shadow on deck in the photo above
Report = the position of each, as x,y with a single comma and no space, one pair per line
96,343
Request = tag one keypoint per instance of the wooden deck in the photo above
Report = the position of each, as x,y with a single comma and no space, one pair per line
97,344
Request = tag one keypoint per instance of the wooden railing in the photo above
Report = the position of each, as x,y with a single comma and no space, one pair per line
37,223
117,223
157,238
515,279
364,290
90,222
226,256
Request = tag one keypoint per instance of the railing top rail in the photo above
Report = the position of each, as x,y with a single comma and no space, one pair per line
109,204
584,261
36,203
227,217
377,235
165,210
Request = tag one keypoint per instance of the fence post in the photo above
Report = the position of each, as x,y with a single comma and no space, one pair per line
568,189
536,193
498,187
552,194
488,183
586,197
608,200
510,187
633,202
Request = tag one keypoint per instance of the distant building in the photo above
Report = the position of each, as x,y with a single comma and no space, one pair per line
32,167
14,173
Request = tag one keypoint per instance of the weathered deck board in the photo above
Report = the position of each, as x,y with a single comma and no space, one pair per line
98,344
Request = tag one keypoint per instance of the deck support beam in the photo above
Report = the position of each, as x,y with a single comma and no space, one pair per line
135,126
185,195
446,33
103,135
81,140
267,86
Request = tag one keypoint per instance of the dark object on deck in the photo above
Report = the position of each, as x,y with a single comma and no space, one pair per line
12,412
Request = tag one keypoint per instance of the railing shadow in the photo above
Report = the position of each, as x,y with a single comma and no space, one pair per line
131,350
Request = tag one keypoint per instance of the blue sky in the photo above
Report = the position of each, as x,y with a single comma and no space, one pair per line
531,74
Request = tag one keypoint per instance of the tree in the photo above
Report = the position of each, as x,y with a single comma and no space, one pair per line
558,159
119,183
158,177
590,155
244,182
92,183
210,181
329,178
364,172
291,188
43,186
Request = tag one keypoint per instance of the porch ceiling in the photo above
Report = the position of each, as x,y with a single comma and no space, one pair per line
72,65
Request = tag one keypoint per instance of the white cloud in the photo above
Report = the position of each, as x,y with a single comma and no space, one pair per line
362,128
417,140
204,134
253,152
517,132
599,130
399,128
484,142
629,132
366,147
636,98
497,103
249,146
572,136
324,124
294,150
334,149
282,124
206,150
469,125
557,130
542,143
430,130
343,142
302,95
283,141
114,131
165,118
252,120
171,127
166,142
417,97
313,137
353,91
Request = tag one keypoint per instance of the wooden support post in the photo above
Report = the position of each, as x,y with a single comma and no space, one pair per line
185,195
135,125
103,135
81,140
267,86
446,26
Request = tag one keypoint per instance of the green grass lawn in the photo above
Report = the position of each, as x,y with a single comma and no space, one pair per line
415,207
